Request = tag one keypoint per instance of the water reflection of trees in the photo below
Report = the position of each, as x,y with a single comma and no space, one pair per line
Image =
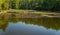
53,23
46,22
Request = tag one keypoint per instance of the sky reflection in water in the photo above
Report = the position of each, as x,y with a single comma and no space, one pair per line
20,28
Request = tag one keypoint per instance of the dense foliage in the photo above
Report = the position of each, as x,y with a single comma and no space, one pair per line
44,5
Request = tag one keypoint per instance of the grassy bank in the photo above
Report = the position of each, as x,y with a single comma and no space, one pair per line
28,14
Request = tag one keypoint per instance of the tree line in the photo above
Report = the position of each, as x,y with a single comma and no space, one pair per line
44,5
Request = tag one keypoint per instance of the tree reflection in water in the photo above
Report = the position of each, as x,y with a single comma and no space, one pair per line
53,23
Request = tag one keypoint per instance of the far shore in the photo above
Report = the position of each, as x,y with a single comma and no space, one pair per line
28,14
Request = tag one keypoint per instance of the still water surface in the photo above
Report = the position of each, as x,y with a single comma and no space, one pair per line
36,26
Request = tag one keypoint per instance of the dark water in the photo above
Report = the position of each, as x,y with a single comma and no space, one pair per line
30,26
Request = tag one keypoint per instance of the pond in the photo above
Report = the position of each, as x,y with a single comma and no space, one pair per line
30,26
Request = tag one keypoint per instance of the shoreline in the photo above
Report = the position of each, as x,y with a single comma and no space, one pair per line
29,14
